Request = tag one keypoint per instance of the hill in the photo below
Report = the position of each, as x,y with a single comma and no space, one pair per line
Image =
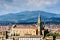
29,16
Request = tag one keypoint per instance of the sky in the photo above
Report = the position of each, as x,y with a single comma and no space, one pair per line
15,6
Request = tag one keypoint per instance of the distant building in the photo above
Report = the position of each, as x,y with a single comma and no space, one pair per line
3,32
3,35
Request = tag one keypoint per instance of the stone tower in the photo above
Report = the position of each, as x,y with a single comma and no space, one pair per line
38,24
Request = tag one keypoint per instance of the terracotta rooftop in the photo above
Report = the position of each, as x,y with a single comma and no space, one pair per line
4,28
26,26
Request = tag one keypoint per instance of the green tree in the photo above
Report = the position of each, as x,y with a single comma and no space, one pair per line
53,34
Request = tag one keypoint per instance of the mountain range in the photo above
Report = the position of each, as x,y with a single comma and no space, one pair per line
29,16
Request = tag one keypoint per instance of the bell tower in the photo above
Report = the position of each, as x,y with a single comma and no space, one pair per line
38,25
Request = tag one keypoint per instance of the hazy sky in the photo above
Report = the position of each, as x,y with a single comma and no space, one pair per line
14,6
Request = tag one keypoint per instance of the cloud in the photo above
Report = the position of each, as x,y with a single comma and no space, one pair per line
12,6
41,3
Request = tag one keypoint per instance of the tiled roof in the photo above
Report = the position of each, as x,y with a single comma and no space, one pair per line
26,26
4,28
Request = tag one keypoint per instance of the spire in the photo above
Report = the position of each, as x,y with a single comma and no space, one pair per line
39,19
39,28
